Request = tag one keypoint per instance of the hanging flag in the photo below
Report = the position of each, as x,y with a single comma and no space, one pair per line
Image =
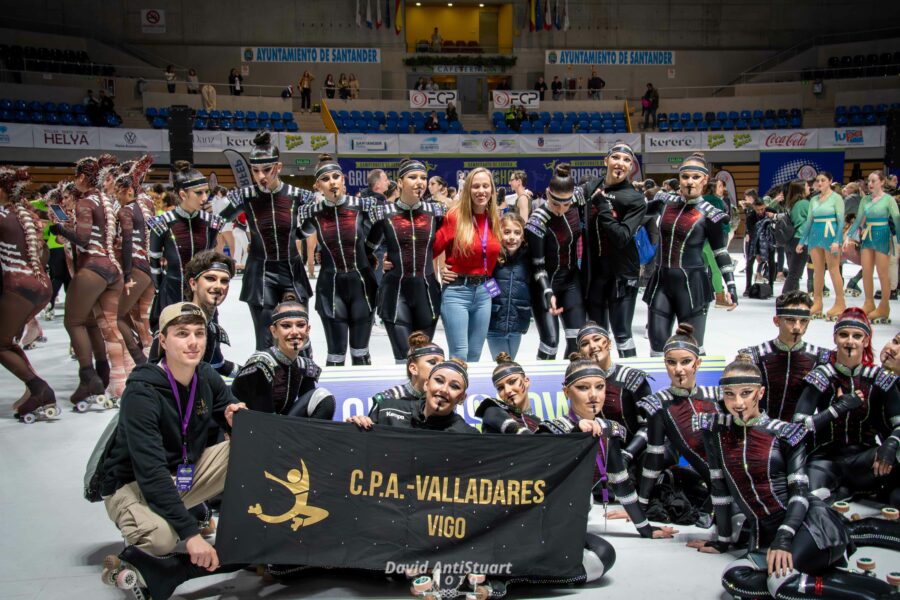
369,14
358,14
387,14
566,16
399,8
548,18
531,19
557,22
538,16
377,14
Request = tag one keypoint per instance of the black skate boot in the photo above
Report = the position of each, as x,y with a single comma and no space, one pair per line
205,519
880,533
90,391
598,558
102,368
745,580
361,360
41,404
834,585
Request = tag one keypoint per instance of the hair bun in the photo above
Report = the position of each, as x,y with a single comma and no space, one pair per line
417,339
503,357
326,158
563,170
181,165
262,138
744,357
685,329
574,356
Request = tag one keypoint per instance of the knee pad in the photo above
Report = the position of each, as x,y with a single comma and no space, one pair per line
321,404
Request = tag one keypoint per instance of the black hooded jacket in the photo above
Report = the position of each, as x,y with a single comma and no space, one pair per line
147,447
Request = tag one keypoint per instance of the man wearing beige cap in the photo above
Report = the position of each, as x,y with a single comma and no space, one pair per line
159,464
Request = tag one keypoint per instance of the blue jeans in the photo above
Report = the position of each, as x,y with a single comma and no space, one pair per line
504,342
466,313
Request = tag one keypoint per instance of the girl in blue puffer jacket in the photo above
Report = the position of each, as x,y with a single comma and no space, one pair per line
511,310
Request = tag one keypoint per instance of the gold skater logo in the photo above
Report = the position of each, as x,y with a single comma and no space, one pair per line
301,514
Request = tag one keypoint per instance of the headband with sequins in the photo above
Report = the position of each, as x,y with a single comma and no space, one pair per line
681,345
453,366
409,167
699,168
216,266
427,350
328,168
290,314
193,183
793,312
740,380
623,148
591,330
505,371
582,373
852,323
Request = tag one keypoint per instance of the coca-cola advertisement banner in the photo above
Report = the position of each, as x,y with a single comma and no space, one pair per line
789,139
778,168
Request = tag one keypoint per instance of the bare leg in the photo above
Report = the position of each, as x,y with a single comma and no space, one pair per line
834,269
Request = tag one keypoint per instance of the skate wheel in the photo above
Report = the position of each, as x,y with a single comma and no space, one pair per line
108,577
51,412
81,406
894,578
482,592
111,562
476,578
890,513
421,584
855,517
471,596
865,564
28,418
841,507
126,579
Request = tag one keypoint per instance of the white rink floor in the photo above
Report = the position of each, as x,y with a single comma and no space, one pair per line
52,541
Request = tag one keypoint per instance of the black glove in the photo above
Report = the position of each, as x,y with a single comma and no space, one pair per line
887,451
845,403
56,229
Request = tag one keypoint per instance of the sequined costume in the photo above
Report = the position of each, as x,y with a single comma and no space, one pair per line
553,245
270,381
409,297
346,288
681,286
274,266
783,371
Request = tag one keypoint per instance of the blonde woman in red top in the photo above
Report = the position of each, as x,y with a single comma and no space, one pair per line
470,239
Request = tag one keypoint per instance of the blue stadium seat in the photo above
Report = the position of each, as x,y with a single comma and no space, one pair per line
379,116
36,117
663,126
292,126
51,119
795,112
742,124
676,126
113,121
49,107
721,116
733,115
215,114
239,114
83,121
583,125
151,112
572,116
265,125
840,110
685,117
797,122
783,113
870,119
20,116
841,121
558,116
709,117
525,127
758,114
697,117
854,109
199,124
227,114
6,104
690,126
63,107
35,106
163,112
782,123
276,116
278,126
715,125
225,124
159,123
662,117
554,127
263,115
674,117
251,115
868,109
69,119
881,109
252,124
746,115
756,123
702,126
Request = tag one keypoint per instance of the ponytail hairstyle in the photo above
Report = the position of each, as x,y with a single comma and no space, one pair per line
420,345
13,181
264,152
683,340
186,177
506,366
107,163
562,181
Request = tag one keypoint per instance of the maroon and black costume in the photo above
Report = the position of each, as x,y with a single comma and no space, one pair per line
760,466
176,236
783,371
270,381
681,286
409,297
610,266
553,244
24,286
274,266
846,427
670,415
346,289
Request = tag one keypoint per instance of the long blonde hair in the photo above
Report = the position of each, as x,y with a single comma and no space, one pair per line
465,216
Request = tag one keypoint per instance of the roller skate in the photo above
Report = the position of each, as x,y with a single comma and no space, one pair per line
90,392
853,290
815,312
477,587
103,370
205,520
49,314
147,576
881,315
40,404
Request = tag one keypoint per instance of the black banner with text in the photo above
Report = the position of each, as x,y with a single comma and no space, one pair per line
317,493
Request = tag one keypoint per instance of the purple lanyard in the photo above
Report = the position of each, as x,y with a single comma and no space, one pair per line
484,241
185,415
601,461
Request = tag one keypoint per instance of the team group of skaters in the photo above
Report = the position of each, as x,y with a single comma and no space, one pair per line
790,429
